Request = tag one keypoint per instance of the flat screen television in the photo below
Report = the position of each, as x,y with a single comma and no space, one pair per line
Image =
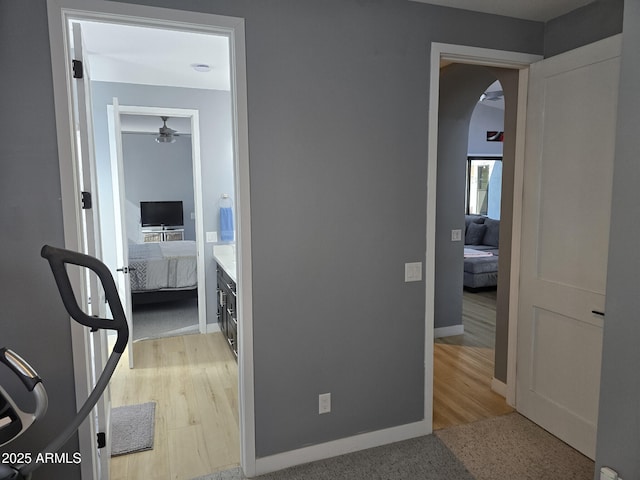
158,214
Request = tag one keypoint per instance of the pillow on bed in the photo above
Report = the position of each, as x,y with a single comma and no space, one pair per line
475,234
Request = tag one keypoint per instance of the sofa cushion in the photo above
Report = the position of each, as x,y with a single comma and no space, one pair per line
475,234
481,264
472,219
492,233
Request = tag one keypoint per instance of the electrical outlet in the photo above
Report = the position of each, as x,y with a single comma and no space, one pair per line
324,403
456,235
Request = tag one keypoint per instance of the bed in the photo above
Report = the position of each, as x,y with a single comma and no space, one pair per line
164,271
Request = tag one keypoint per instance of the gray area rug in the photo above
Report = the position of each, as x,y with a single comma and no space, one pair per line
511,447
132,428
165,319
419,458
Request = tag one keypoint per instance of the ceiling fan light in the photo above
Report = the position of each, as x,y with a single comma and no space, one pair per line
166,139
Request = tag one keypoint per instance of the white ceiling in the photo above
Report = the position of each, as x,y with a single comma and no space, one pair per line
153,56
538,10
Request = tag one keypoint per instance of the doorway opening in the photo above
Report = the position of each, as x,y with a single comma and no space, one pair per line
165,179
232,140
158,217
470,177
442,230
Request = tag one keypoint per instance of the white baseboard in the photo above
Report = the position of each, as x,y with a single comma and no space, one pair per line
356,443
213,327
448,331
499,387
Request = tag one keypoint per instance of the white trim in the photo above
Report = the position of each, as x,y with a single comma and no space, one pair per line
474,56
240,122
499,387
449,331
59,11
340,447
212,328
516,235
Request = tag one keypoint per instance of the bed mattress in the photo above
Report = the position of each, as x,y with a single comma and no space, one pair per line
163,266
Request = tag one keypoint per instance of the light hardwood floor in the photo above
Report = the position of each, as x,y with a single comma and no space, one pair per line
463,367
193,380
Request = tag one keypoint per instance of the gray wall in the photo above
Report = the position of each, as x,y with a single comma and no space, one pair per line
216,151
509,81
338,109
593,22
346,173
33,321
619,417
485,118
158,171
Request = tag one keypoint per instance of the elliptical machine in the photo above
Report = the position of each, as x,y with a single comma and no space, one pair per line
13,420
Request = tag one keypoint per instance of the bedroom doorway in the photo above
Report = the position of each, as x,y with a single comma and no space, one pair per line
162,289
75,158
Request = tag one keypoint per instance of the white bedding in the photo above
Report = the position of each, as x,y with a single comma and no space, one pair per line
162,266
472,253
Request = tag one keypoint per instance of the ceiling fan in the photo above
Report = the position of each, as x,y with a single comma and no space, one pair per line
166,134
492,96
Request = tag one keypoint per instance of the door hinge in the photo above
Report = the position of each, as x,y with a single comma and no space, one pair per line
78,70
86,200
102,439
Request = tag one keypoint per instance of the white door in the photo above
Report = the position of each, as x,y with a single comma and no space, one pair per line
119,208
571,119
95,297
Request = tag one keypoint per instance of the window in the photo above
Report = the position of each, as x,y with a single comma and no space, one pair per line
484,186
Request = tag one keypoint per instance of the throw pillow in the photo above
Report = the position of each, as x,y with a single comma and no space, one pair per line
472,219
475,234
492,235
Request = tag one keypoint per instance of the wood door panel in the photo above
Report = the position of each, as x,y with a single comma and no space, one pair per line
571,117
578,190
575,345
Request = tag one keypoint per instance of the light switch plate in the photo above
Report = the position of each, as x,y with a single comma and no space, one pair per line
456,235
212,237
324,403
413,272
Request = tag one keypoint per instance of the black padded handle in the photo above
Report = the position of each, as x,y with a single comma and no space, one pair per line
20,367
58,258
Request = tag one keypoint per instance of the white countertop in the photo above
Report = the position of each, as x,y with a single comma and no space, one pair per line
225,255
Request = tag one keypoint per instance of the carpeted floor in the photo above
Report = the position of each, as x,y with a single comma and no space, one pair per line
425,458
165,319
509,447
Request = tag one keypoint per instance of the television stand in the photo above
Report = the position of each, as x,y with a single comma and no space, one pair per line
162,234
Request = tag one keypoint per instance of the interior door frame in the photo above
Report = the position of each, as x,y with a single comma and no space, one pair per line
194,117
490,58
59,13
